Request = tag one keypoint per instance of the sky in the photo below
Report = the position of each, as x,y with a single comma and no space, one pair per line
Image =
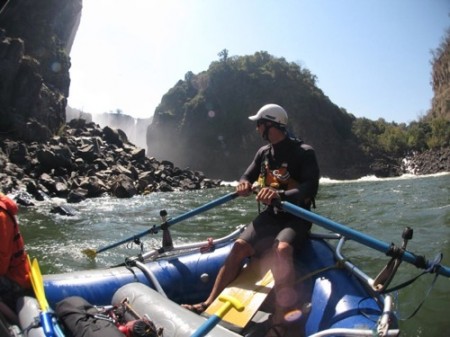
371,57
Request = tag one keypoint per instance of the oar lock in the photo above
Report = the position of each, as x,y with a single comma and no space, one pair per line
386,275
167,239
167,242
154,229
164,226
163,214
406,236
397,252
137,241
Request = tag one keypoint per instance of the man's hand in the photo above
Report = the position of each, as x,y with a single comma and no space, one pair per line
266,195
244,188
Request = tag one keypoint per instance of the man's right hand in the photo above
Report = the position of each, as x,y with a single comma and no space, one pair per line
267,194
244,188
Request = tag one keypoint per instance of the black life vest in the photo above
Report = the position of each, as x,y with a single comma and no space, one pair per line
273,175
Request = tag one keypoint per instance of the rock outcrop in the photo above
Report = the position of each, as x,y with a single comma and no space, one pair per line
86,161
441,80
34,65
206,116
428,162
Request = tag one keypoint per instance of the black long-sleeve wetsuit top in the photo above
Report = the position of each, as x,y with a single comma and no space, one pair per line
300,161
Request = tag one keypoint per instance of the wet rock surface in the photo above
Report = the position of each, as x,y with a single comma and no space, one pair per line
86,161
428,162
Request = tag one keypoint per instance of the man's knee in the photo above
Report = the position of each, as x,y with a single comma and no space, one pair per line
283,249
242,249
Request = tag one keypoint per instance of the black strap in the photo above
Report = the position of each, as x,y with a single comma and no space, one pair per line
434,266
423,301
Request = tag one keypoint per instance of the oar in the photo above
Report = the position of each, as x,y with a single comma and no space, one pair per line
207,326
49,325
38,287
418,261
168,223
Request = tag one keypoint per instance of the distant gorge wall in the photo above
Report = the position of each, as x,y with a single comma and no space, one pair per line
441,81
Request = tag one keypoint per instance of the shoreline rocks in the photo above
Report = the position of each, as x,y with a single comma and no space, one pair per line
424,163
86,161
428,162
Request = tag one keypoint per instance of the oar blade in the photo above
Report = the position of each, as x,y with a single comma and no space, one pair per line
34,282
89,252
45,315
36,272
32,279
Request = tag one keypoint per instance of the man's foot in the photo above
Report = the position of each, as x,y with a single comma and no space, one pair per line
197,308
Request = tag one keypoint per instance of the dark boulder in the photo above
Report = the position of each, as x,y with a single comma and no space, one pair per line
123,187
114,136
80,163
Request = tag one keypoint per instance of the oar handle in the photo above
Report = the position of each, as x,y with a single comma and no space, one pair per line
47,323
228,303
418,261
170,222
208,325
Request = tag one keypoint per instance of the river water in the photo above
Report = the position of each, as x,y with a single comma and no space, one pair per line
381,208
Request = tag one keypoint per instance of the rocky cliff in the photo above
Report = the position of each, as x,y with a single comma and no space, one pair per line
441,80
203,123
35,42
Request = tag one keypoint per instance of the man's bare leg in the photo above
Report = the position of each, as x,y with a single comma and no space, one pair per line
284,275
227,273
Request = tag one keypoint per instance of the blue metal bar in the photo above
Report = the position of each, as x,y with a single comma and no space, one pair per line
359,237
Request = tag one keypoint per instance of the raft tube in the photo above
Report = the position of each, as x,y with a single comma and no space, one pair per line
174,319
